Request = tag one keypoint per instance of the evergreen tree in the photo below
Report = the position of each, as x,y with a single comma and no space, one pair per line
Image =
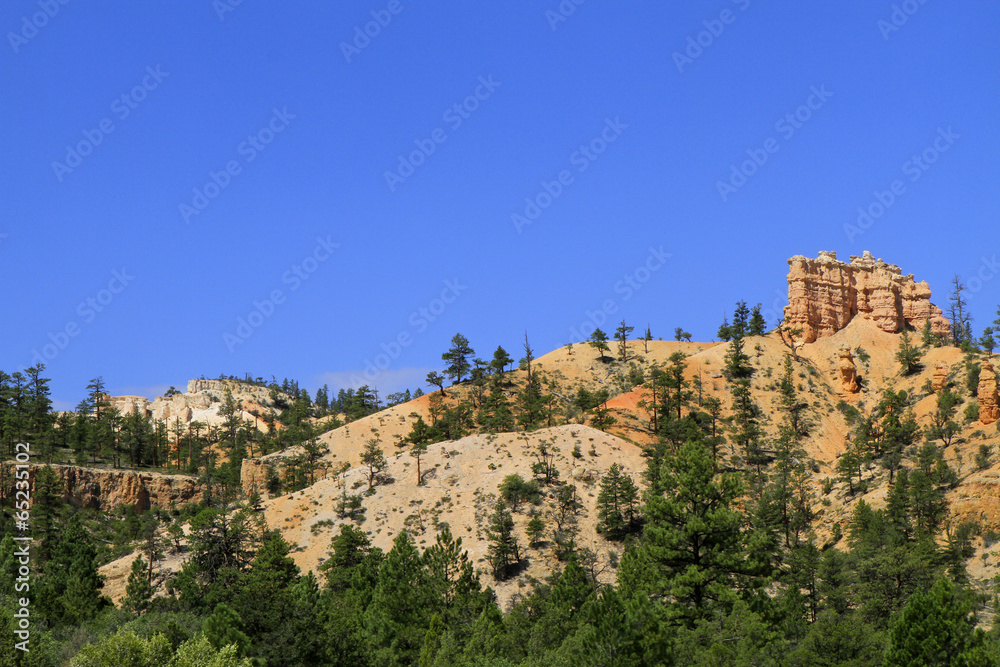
908,356
531,402
224,627
621,335
599,341
529,355
960,317
401,607
416,451
724,333
457,358
501,359
616,504
757,324
373,458
692,551
504,551
139,590
437,380
495,415
936,628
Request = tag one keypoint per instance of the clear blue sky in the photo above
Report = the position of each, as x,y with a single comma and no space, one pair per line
308,129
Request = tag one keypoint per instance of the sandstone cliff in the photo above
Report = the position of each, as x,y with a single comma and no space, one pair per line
106,489
824,294
201,402
989,411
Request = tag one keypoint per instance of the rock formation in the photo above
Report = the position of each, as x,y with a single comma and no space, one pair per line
825,294
848,371
940,377
106,489
989,411
201,402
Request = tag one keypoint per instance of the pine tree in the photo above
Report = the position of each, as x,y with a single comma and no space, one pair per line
757,324
224,627
908,356
457,358
936,628
501,359
139,590
621,335
692,551
495,415
416,451
599,341
616,504
373,458
504,551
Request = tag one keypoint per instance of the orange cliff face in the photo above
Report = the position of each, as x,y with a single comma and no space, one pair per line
989,411
825,294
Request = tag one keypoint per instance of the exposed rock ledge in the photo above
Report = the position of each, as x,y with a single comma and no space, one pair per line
106,489
825,294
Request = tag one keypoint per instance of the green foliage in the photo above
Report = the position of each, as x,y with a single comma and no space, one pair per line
515,491
617,504
139,590
225,627
936,628
599,341
909,356
457,358
504,550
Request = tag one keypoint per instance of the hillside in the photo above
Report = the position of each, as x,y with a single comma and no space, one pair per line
463,475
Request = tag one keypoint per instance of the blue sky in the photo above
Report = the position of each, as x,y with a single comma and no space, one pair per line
201,188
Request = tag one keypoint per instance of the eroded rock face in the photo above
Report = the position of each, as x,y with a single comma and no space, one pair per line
940,377
989,411
848,372
106,489
825,294
201,402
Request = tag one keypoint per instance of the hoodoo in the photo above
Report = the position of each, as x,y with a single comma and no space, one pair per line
825,294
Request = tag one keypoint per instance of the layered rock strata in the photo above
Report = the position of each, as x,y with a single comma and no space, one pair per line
989,411
825,294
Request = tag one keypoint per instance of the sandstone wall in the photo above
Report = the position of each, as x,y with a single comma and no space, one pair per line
989,411
825,294
106,489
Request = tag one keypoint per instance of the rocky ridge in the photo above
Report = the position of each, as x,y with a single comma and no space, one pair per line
825,294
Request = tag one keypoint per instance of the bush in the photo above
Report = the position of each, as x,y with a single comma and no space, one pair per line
515,490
